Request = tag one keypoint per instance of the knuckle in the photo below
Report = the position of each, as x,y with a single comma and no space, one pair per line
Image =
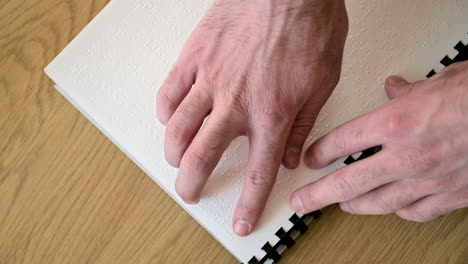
365,174
175,131
344,189
304,122
341,138
302,128
421,161
259,179
435,213
348,184
193,54
195,161
273,117
411,159
384,206
397,125
213,74
236,99
358,134
308,199
406,215
340,142
415,86
184,69
173,76
302,132
413,215
163,99
448,183
314,155
351,208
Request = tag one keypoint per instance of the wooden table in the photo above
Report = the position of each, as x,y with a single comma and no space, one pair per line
68,195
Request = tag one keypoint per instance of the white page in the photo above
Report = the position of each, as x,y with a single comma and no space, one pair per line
112,71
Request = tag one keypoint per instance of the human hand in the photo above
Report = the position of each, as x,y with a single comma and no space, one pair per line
260,68
422,171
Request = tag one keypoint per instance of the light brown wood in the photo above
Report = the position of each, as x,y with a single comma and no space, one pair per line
68,195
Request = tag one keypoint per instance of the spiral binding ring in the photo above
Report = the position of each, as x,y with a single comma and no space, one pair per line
286,238
300,224
447,61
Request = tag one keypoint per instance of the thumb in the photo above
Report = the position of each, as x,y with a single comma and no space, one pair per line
396,86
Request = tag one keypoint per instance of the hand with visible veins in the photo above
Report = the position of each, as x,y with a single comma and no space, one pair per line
422,170
260,68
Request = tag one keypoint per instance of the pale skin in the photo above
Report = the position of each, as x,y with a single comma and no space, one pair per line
264,69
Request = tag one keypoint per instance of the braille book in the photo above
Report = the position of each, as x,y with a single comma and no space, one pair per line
112,70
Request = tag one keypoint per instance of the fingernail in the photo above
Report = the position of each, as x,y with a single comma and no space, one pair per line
242,228
297,204
345,207
292,157
186,197
192,202
394,80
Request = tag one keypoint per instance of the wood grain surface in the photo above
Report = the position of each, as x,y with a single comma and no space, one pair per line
68,195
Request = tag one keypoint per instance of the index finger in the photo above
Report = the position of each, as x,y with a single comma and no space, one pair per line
352,137
347,183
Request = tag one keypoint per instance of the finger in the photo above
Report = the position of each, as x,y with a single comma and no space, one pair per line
434,206
300,130
394,196
174,89
396,86
203,155
387,199
346,183
357,135
184,124
266,149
